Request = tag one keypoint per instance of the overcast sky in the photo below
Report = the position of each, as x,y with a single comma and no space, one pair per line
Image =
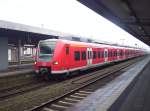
67,16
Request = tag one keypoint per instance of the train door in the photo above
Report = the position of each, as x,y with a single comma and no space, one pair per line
89,56
105,55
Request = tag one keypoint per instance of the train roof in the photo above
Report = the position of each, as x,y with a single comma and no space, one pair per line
92,44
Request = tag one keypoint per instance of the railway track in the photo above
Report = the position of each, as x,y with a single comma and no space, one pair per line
74,96
21,89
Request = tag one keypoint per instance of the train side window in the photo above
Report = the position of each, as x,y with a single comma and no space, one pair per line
115,53
94,54
77,55
99,54
102,54
109,54
67,50
118,53
83,53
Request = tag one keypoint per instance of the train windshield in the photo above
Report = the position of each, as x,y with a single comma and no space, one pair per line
46,50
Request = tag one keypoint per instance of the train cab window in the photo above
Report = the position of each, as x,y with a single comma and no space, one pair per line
77,55
46,50
67,50
94,54
47,47
83,54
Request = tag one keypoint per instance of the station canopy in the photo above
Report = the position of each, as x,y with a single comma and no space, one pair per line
27,34
131,15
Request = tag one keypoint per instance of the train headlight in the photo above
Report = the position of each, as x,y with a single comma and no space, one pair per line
35,63
55,62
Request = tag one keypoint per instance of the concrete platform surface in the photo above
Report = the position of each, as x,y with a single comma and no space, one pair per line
105,97
138,98
14,70
21,66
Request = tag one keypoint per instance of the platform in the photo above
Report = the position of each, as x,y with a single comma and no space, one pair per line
14,70
138,99
115,96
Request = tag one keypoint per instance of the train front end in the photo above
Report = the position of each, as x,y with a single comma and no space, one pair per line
44,60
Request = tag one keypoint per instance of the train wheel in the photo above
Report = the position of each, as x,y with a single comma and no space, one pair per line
59,77
46,76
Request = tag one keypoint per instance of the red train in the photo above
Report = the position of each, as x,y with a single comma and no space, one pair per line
59,57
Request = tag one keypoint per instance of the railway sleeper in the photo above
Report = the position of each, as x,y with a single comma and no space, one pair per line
48,109
59,107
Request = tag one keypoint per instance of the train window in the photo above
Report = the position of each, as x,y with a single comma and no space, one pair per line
47,47
77,55
94,54
126,53
115,53
110,54
120,52
99,54
102,54
46,50
83,55
67,50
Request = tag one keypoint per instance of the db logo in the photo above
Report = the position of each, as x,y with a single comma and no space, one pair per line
43,64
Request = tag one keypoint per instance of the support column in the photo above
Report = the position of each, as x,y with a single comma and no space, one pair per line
19,52
32,51
3,53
